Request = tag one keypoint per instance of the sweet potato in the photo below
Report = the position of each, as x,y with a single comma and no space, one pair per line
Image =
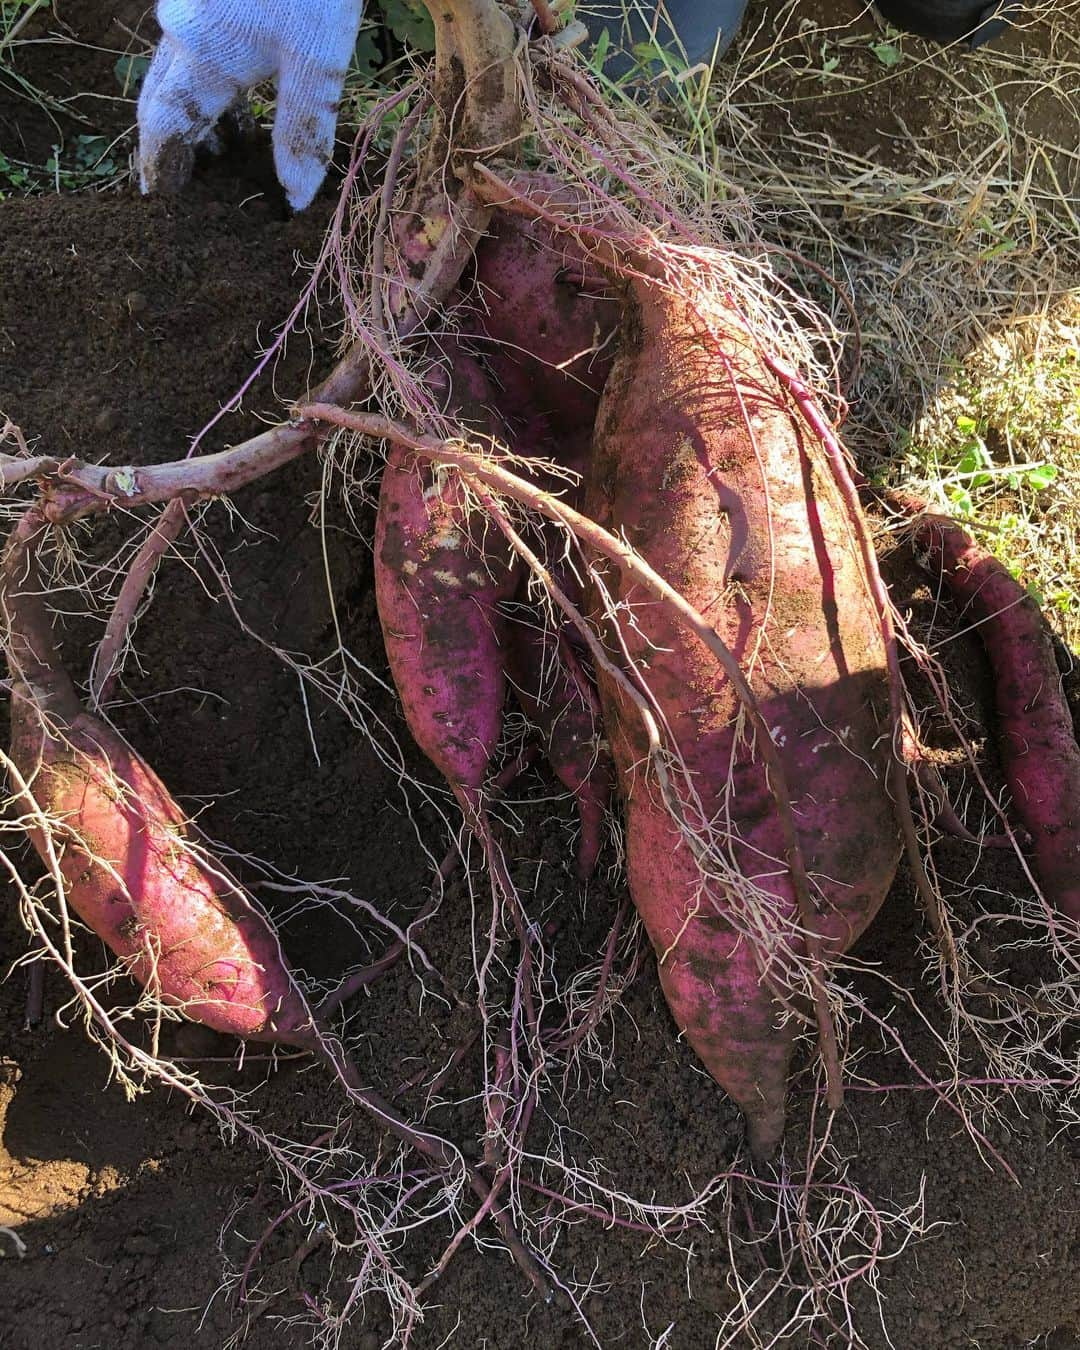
548,322
440,573
556,696
1038,746
701,464
133,868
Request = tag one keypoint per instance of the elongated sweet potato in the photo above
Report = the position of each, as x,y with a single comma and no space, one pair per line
1038,747
440,571
548,320
133,868
700,463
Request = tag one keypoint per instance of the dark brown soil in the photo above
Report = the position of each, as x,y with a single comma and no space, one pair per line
123,326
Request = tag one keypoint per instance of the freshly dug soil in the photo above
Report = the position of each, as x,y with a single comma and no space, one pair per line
124,325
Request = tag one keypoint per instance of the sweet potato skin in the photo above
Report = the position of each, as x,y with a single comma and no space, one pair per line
747,525
440,573
1038,746
126,855
547,321
131,863
712,985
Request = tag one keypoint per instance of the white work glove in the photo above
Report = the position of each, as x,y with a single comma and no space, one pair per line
211,51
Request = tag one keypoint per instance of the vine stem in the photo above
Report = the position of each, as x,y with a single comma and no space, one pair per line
105,665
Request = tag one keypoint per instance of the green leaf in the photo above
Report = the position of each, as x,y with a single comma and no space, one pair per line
11,174
1005,246
1041,476
130,71
887,54
974,462
90,156
410,23
645,53
969,462
600,51
367,58
89,148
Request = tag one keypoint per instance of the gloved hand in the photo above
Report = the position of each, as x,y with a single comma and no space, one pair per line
211,51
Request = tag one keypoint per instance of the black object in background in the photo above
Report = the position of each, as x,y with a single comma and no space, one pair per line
951,20
707,26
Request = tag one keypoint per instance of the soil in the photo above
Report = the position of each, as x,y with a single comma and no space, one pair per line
124,324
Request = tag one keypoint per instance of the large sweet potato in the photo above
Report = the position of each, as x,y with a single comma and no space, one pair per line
704,468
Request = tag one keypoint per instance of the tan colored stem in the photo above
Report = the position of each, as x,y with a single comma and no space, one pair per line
17,468
475,85
105,665
84,489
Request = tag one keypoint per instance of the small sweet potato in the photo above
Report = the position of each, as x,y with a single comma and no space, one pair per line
548,680
134,869
557,697
1038,746
440,572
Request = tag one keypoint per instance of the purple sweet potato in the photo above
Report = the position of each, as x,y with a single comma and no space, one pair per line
1038,747
700,463
441,570
548,321
133,868
557,697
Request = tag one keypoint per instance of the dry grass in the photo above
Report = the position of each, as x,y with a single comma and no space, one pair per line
942,190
